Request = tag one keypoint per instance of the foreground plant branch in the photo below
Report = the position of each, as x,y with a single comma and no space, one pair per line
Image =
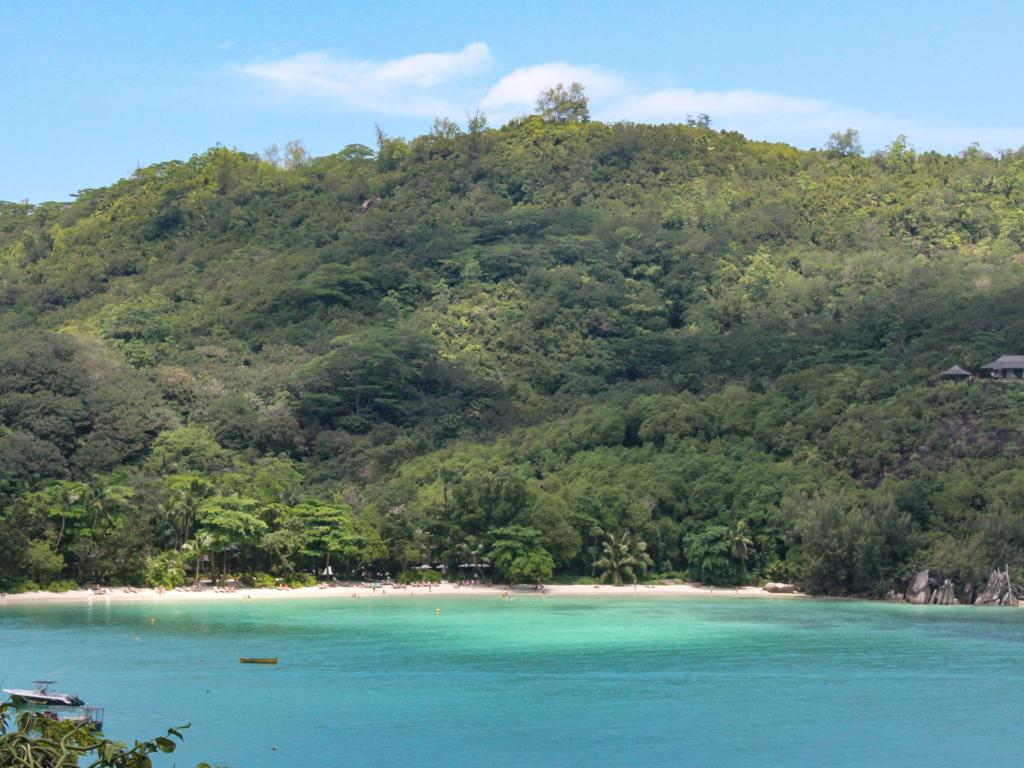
31,740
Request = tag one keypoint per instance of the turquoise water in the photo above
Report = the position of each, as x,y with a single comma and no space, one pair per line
540,681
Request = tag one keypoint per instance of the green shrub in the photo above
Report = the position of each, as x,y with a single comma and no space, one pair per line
570,579
61,585
671,578
258,580
301,580
413,577
166,570
24,586
776,570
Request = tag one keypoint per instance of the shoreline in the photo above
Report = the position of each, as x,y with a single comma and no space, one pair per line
350,591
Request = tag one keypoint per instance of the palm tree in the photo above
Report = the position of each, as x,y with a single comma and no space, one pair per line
472,550
421,540
202,542
183,497
739,546
623,559
594,532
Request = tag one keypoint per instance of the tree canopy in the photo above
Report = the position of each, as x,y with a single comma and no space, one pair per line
511,347
564,105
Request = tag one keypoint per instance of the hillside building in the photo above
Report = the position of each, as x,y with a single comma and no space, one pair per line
1006,367
956,373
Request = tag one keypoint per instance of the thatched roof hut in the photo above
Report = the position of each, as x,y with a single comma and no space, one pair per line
956,373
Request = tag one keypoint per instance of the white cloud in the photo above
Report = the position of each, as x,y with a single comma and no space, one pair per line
673,104
521,88
427,85
413,85
428,69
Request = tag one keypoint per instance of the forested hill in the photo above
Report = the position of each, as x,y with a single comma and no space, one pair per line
540,344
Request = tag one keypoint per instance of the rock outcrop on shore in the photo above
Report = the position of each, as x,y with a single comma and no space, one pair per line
998,590
943,594
919,592
967,598
779,588
928,588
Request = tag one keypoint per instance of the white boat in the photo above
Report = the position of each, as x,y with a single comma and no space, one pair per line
42,695
56,706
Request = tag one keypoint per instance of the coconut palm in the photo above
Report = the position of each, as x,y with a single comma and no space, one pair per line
182,496
623,559
473,552
739,545
202,542
424,545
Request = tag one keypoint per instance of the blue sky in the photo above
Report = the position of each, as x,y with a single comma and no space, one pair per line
91,89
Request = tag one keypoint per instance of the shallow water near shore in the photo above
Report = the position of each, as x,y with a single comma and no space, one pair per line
539,681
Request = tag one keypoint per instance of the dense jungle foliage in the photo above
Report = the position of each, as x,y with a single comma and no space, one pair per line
559,348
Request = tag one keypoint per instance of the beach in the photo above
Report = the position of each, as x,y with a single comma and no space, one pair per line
358,591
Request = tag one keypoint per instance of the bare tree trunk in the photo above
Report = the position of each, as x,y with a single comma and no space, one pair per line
60,534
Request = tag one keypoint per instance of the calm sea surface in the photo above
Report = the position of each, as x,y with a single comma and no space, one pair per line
540,681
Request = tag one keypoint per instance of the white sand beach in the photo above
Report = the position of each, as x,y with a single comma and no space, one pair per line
357,591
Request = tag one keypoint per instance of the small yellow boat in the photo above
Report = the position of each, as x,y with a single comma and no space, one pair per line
248,660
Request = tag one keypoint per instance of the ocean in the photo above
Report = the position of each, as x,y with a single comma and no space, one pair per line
539,681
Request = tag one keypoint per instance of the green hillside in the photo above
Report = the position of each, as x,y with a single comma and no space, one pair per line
543,344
